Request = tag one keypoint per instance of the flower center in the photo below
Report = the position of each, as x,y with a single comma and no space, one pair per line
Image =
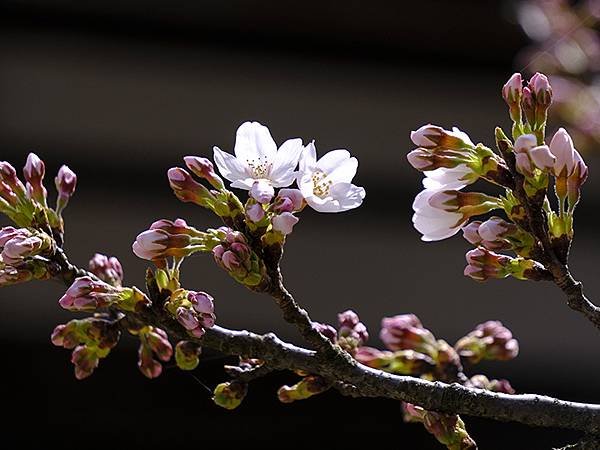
260,167
321,184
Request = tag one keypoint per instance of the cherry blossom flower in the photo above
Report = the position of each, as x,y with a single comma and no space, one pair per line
326,184
258,166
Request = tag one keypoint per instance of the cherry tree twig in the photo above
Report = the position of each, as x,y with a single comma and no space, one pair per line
353,378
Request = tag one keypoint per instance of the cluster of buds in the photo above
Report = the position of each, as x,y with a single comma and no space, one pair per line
455,154
483,264
26,203
153,342
525,167
195,311
449,430
307,387
234,255
351,333
107,269
22,255
414,350
497,234
489,340
87,294
91,338
483,382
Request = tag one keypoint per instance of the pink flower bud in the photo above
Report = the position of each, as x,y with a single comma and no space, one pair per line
471,232
541,89
542,158
524,143
20,247
7,233
255,212
230,260
420,159
289,200
493,229
202,302
262,191
326,330
561,146
203,168
150,244
513,89
66,182
187,318
284,223
187,189
107,269
158,341
431,136
34,171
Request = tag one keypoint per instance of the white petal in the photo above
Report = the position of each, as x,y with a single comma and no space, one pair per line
253,142
228,165
283,171
444,178
353,197
345,172
323,205
308,160
332,160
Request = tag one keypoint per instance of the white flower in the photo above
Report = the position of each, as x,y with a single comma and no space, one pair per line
326,184
444,178
433,223
258,166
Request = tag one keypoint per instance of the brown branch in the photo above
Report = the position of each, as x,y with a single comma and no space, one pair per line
358,380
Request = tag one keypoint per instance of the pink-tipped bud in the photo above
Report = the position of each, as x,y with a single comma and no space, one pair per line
289,200
202,302
490,340
66,182
541,89
284,223
431,137
34,172
561,146
512,91
187,318
203,168
255,212
471,232
262,191
187,189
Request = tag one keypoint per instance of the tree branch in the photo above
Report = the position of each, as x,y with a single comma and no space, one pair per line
358,380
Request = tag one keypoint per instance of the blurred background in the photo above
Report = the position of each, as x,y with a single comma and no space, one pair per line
122,90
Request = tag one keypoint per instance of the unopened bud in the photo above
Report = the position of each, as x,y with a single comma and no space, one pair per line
66,182
230,395
489,340
187,355
305,388
203,168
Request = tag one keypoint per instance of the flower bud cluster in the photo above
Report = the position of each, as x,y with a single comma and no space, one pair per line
167,238
483,264
23,255
234,255
483,382
91,340
154,342
497,234
26,204
489,340
195,311
107,269
449,430
87,294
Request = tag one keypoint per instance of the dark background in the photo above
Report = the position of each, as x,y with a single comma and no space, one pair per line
121,90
